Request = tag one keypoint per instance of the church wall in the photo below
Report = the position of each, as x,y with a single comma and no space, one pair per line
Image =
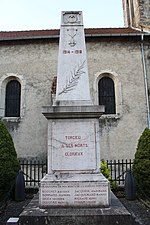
37,64
120,133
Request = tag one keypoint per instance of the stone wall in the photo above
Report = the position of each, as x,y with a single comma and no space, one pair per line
145,13
119,134
137,14
36,64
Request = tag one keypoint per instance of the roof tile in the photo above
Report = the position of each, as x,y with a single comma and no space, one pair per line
46,33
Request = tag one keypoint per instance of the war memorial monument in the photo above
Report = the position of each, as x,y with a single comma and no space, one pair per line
74,192
73,177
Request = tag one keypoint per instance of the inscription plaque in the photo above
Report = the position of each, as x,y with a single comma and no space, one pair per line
73,145
74,194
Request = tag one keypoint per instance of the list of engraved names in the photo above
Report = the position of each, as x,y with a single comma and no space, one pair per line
84,193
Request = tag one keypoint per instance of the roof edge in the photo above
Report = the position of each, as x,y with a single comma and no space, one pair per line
54,33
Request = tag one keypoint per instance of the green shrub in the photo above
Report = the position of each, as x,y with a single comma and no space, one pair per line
141,163
9,165
106,172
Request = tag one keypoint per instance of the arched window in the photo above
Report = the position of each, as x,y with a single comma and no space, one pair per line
107,94
12,99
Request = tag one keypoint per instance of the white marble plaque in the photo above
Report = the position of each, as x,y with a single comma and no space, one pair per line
73,145
91,193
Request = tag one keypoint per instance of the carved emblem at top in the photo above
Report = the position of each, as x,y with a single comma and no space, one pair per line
72,18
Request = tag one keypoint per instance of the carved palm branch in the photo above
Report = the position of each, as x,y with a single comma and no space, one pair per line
74,79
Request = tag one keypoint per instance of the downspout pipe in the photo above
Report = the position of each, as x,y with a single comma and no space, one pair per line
145,78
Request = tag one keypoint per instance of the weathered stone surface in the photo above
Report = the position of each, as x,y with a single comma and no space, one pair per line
72,112
70,190
136,14
115,214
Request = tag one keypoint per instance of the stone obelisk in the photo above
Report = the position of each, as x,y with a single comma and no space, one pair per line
72,76
74,177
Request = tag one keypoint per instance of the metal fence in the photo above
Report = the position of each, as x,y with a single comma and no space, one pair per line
35,170
118,169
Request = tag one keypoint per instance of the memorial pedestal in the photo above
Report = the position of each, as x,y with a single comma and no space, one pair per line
74,177
74,190
116,213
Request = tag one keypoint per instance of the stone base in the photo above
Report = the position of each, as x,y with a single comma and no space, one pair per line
115,214
74,190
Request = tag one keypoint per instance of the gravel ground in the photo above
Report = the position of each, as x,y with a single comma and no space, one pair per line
13,209
139,211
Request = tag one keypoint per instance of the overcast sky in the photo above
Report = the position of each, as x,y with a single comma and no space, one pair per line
45,14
